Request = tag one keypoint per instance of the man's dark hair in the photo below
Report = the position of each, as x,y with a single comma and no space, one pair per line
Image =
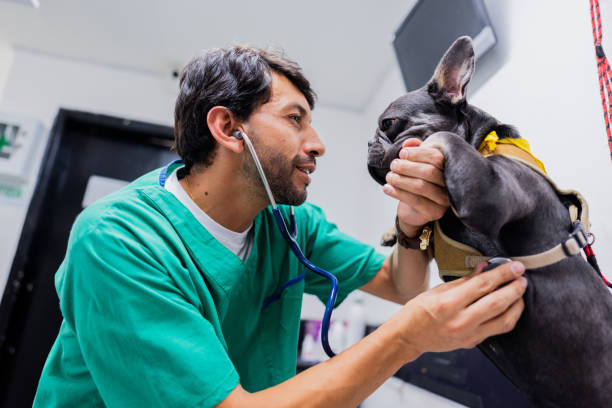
238,78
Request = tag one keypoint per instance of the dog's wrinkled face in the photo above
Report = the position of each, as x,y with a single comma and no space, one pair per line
415,115
432,108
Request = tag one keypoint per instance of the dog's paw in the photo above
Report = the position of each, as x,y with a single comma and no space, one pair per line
441,141
389,238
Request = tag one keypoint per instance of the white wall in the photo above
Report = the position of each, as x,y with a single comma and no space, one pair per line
39,84
6,61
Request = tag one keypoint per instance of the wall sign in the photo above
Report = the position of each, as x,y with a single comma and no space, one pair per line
18,137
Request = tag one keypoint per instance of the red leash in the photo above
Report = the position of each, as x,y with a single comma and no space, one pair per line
590,255
605,76
603,69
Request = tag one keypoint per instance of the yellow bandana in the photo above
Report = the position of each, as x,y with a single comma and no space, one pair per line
510,146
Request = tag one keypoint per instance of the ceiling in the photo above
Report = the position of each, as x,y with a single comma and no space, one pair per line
344,49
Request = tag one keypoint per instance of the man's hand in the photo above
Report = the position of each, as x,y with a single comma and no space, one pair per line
416,179
464,312
454,315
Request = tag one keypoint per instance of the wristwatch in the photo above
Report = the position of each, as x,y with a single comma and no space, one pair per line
419,242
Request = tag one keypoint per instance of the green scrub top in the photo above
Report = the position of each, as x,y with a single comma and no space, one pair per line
158,313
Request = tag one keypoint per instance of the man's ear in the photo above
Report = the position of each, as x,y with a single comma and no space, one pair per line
222,124
453,73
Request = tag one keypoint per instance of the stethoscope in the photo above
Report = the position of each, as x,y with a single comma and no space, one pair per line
290,236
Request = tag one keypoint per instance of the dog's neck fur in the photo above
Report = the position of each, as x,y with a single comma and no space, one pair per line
479,124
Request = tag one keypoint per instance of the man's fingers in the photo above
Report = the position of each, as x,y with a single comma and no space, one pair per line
425,171
496,303
503,323
419,187
481,284
412,142
419,203
428,155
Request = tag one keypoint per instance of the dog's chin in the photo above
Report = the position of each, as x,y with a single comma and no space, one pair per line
378,174
379,160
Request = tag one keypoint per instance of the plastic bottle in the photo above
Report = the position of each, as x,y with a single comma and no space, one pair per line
308,347
311,350
337,336
356,322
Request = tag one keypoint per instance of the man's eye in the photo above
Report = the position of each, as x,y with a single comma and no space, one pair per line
386,124
295,117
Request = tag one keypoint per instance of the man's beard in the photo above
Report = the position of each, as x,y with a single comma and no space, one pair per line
279,172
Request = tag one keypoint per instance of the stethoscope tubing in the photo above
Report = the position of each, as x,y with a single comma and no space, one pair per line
331,299
290,236
242,136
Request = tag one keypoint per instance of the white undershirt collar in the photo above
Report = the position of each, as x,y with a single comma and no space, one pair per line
239,243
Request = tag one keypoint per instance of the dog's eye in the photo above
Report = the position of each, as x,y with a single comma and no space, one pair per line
386,124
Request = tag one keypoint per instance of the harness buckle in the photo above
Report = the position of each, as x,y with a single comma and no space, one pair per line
591,238
580,236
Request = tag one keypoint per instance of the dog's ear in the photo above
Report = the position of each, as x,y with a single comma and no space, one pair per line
453,73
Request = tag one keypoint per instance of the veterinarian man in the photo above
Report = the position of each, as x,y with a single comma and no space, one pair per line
164,282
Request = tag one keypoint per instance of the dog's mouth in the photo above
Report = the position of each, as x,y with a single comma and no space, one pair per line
377,174
381,152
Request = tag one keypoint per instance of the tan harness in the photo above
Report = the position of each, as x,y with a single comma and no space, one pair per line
456,259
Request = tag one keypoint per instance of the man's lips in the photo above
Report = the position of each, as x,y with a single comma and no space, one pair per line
305,169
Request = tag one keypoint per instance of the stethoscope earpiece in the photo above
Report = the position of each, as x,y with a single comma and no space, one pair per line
238,135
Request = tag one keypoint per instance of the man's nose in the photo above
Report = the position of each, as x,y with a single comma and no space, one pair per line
313,145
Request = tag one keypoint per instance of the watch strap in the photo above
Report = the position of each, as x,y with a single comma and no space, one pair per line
421,241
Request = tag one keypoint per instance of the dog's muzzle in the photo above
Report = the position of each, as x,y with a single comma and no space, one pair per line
376,155
381,153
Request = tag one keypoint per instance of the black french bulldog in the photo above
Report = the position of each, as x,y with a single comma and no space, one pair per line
560,352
